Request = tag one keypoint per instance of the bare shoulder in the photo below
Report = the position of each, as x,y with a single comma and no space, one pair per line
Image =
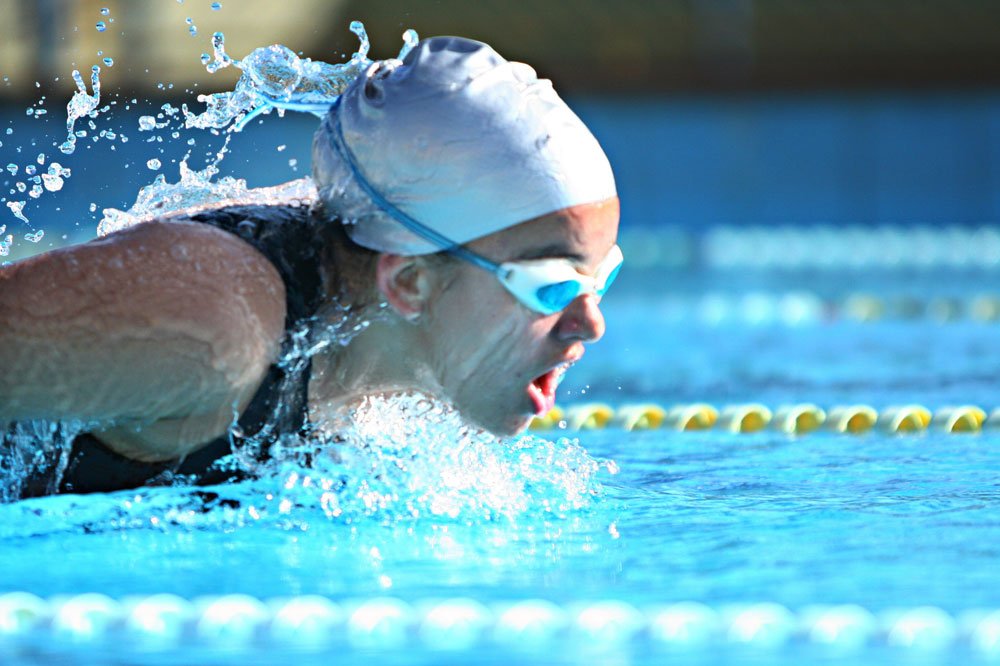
159,275
167,322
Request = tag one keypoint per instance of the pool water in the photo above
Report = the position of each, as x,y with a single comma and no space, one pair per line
881,521
435,544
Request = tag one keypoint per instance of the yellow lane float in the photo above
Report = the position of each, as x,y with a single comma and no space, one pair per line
548,421
798,419
639,417
851,419
904,419
745,418
963,418
792,419
589,416
697,416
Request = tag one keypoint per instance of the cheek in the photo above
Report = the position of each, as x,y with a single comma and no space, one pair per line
479,329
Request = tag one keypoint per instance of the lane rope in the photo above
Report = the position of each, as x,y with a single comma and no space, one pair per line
792,419
165,621
792,308
816,247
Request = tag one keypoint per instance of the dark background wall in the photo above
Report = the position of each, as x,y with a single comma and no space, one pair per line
712,111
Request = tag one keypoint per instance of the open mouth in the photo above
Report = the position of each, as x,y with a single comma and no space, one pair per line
542,389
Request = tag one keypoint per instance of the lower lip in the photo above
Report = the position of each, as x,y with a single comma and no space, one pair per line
543,402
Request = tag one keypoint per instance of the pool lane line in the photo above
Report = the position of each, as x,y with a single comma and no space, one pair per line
814,247
798,308
792,419
242,622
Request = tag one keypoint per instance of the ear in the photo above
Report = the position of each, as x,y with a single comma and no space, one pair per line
404,282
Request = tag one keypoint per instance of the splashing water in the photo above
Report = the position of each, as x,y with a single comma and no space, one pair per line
395,460
196,190
81,104
275,78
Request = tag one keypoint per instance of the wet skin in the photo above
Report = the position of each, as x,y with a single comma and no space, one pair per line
160,334
484,347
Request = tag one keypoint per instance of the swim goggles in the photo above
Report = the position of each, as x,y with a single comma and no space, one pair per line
543,285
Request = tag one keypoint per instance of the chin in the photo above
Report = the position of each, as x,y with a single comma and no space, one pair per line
502,424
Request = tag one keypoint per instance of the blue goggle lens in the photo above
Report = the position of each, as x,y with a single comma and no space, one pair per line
557,296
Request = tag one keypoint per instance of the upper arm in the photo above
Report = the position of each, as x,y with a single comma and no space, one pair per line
165,322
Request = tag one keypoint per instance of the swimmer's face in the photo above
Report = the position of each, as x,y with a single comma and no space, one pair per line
496,360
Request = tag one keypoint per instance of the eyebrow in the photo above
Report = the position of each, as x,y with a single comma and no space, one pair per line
554,251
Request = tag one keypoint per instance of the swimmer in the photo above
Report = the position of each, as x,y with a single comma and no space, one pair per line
462,237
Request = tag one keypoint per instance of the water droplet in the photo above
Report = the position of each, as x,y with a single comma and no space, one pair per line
93,207
101,27
35,237
41,158
12,168
216,6
17,207
105,11
281,147
193,30
153,164
109,62
52,182
147,123
30,170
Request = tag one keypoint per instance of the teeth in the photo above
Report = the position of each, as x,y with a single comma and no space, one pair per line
560,372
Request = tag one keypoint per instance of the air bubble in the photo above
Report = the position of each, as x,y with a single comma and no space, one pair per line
154,164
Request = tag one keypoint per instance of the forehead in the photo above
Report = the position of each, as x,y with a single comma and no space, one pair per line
584,233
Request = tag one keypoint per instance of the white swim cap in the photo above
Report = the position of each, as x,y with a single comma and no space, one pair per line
459,139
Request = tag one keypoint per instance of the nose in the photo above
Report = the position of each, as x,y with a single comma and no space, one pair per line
582,320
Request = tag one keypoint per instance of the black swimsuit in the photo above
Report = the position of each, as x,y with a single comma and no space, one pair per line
284,235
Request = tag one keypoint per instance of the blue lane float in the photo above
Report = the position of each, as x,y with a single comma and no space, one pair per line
241,622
